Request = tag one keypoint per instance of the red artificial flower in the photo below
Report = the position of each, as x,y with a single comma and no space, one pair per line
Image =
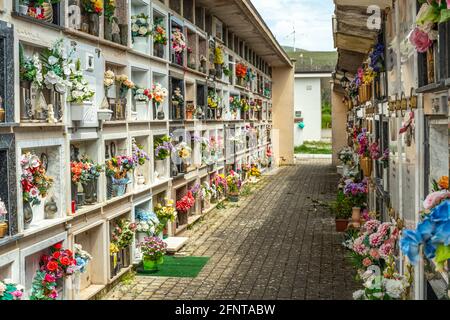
49,278
65,261
52,266
57,246
56,254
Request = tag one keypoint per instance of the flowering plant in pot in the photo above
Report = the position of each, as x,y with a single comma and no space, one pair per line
357,193
3,222
233,186
59,264
153,250
10,290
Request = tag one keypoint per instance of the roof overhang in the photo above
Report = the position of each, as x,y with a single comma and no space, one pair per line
242,18
353,32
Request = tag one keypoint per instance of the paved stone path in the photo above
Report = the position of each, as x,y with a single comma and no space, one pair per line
277,243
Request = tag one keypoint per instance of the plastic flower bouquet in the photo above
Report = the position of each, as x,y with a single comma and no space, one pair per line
147,221
159,33
357,191
159,94
79,90
185,203
178,41
233,183
153,248
93,6
140,26
35,182
108,79
218,56
163,147
123,233
57,67
183,150
85,170
125,84
241,70
139,155
346,156
58,264
165,212
213,100
142,94
31,69
10,290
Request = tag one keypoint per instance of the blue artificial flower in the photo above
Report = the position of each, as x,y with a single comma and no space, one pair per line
426,229
441,213
409,245
430,250
442,234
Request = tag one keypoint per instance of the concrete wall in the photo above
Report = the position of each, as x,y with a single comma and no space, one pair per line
283,114
307,97
339,118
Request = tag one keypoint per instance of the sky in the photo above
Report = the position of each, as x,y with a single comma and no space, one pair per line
311,19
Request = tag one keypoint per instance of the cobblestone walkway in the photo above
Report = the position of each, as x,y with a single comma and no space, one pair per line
277,243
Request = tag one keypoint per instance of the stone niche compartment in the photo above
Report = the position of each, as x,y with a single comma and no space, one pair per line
160,19
161,170
123,259
85,195
6,72
8,189
52,152
138,7
141,110
116,104
141,175
161,112
116,147
141,206
93,280
9,266
176,106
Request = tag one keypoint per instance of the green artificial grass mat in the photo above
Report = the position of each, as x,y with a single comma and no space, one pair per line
178,267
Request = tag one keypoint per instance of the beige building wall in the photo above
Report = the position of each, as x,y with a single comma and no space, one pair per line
339,120
283,114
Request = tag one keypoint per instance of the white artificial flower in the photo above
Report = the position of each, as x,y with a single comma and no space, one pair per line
52,60
359,295
51,78
142,30
394,288
135,28
7,281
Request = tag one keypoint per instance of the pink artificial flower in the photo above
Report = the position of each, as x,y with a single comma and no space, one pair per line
53,294
383,229
386,250
34,192
374,253
367,262
17,294
375,239
435,198
420,40
49,278
371,226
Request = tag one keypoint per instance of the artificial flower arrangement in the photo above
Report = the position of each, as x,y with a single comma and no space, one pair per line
85,170
59,264
384,159
178,44
159,33
346,156
374,150
123,233
109,79
93,6
235,104
363,144
233,183
34,180
10,291
220,182
31,68
165,212
356,191
153,248
241,71
110,9
118,167
140,26
183,150
57,66
185,203
79,88
433,232
254,172
206,191
142,94
139,154
213,99
245,106
159,94
196,191
163,147
125,84
218,56
82,258
147,221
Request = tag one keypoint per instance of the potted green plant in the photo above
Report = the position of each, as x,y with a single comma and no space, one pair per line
153,250
342,210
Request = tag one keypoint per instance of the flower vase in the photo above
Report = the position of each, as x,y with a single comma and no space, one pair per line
150,264
160,168
90,190
23,9
119,186
233,197
76,284
3,229
140,44
158,50
189,114
27,214
48,12
141,237
356,216
366,166
142,110
94,24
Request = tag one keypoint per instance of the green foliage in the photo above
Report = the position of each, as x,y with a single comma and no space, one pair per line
342,207
314,147
246,190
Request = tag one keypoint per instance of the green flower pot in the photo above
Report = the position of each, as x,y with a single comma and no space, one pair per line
152,265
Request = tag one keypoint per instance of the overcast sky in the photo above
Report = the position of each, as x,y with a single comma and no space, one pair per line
311,19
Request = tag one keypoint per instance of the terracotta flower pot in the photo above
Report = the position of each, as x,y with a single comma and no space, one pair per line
341,225
3,229
366,166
